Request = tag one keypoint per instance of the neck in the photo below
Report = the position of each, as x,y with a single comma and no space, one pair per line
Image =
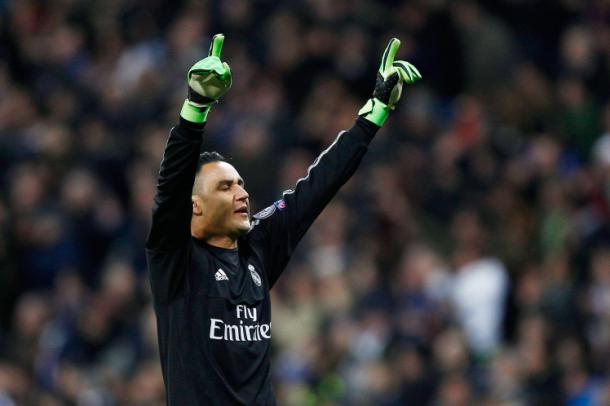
216,240
221,241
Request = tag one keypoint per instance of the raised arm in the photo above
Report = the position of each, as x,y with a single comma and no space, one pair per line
172,205
285,222
207,80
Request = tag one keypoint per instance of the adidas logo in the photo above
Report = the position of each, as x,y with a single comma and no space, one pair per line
220,275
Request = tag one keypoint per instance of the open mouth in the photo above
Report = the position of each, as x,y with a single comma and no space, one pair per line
242,210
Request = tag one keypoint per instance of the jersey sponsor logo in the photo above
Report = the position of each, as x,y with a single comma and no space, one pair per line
220,275
219,330
255,276
266,212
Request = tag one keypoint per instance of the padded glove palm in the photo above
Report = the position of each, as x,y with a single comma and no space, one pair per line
208,80
388,85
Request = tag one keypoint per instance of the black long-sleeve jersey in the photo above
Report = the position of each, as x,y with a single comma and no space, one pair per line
212,304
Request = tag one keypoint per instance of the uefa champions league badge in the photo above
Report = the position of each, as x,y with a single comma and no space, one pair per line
255,276
266,212
280,204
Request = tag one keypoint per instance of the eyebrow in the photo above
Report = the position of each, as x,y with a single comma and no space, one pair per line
229,182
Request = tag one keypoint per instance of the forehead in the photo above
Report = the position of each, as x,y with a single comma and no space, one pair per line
216,171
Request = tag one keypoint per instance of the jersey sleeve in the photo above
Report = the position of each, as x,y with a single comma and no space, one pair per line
283,224
168,240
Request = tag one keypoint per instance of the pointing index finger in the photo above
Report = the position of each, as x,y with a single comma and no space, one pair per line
389,54
216,45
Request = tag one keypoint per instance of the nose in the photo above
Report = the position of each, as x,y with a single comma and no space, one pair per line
241,194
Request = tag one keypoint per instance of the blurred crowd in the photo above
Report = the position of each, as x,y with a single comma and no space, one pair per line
466,263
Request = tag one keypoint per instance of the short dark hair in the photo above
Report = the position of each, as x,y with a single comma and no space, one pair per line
207,157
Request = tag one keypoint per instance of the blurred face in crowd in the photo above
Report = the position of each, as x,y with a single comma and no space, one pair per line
221,208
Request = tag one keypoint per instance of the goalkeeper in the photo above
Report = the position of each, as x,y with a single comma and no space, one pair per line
212,264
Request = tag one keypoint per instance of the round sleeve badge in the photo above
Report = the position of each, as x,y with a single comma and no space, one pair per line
266,212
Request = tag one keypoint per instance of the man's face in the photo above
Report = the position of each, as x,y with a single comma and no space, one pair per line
220,199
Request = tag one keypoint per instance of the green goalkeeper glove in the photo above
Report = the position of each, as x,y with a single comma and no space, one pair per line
208,80
388,86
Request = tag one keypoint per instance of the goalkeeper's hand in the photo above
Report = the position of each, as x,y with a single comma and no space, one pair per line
388,85
208,80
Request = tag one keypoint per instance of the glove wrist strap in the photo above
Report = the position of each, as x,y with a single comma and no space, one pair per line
375,111
194,114
198,99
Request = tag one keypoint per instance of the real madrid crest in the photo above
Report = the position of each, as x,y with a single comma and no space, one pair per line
255,276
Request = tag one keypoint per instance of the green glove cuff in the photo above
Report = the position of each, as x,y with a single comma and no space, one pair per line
193,113
375,111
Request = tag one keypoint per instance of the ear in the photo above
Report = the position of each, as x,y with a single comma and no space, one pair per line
197,205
